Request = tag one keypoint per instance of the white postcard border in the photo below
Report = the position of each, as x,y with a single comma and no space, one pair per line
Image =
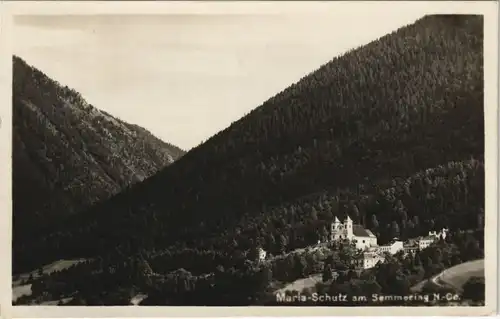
10,8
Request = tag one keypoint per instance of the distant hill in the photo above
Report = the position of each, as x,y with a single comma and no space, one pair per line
68,155
406,102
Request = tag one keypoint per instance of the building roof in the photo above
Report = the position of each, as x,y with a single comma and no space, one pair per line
428,238
360,231
411,241
410,246
370,233
394,241
367,255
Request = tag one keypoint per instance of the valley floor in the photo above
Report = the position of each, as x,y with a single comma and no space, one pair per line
21,288
301,284
455,276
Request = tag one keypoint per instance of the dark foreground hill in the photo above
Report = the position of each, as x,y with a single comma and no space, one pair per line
68,155
409,101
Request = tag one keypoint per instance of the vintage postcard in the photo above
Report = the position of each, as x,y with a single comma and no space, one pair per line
247,159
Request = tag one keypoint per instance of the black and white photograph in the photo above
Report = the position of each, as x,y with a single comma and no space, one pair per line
324,158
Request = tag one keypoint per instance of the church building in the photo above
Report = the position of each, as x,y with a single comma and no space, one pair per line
363,238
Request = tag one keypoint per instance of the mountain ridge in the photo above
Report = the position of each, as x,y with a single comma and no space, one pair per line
67,154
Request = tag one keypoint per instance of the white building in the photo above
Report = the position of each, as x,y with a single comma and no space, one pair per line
262,254
392,248
442,233
410,248
424,242
363,238
367,260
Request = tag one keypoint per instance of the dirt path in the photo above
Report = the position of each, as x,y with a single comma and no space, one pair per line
455,276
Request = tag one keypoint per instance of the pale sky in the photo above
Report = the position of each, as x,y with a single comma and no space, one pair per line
186,77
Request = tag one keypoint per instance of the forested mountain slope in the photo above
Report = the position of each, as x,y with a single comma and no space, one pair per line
450,195
68,155
401,104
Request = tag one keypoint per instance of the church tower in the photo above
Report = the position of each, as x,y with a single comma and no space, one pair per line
348,228
337,230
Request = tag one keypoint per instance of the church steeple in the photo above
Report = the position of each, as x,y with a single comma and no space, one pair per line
347,221
335,231
348,227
